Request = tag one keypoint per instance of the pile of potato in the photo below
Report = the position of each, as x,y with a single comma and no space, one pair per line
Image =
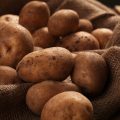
53,51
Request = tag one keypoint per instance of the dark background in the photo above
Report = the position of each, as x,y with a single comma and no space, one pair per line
111,3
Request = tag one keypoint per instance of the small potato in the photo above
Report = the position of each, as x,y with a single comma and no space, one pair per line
63,22
85,25
37,48
48,64
40,93
79,41
15,43
90,73
8,76
42,38
34,15
10,18
68,106
103,35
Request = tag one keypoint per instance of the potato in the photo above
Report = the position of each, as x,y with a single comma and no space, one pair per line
48,64
10,18
63,22
8,75
85,25
68,106
40,93
103,35
79,41
15,43
34,15
90,73
42,38
37,48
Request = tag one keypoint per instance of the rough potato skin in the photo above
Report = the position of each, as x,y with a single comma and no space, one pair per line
42,38
85,25
15,43
68,106
8,76
48,64
90,73
63,22
79,41
103,35
40,93
34,15
10,18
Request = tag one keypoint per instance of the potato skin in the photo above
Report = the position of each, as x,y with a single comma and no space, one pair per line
34,15
63,22
42,38
40,93
85,25
103,35
8,76
68,106
90,73
10,18
48,64
15,43
79,41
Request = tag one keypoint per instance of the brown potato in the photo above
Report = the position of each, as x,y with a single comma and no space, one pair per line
85,25
68,106
8,75
40,93
90,73
10,18
15,43
79,41
37,48
48,64
63,22
34,15
103,35
42,38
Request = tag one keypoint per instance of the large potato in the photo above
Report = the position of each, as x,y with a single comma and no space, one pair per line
10,18
90,73
48,64
103,35
40,93
34,15
79,41
43,38
15,43
8,75
68,106
63,22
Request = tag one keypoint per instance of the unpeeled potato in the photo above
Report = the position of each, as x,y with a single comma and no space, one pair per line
34,15
43,38
68,106
79,41
40,93
63,22
53,63
15,43
90,73
8,76
103,35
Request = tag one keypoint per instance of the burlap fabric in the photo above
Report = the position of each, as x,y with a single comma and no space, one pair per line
107,105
